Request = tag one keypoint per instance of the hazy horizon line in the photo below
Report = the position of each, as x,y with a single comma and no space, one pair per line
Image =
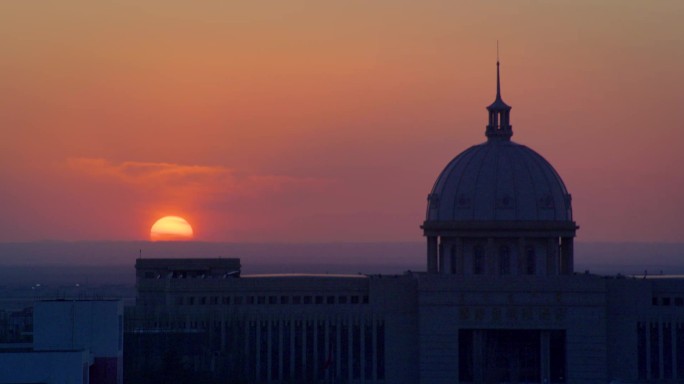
303,242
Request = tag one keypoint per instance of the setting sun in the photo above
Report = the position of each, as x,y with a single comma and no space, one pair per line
171,228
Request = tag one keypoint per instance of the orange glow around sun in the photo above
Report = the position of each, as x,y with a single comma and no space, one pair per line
171,228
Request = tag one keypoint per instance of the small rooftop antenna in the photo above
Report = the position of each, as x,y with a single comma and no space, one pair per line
139,253
498,81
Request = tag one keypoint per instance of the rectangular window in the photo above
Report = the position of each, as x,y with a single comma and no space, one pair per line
667,351
655,351
342,299
321,351
356,351
309,377
478,260
319,299
465,356
298,351
380,351
504,260
333,352
275,340
284,299
641,351
307,299
252,348
344,352
287,354
368,351
296,300
226,300
531,261
557,358
354,299
273,299
263,351
239,300
679,340
330,300
229,339
215,337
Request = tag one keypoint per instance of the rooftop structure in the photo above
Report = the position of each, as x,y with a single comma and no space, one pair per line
499,208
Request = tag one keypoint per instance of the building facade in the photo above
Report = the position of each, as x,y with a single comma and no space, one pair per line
74,341
499,301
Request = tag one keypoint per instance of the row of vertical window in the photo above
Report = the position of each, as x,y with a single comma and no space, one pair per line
177,325
272,300
504,260
304,351
301,351
668,301
660,349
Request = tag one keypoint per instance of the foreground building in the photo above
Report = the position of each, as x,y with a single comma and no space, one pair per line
499,302
74,341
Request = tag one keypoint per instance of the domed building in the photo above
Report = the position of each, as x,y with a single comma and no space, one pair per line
499,208
499,302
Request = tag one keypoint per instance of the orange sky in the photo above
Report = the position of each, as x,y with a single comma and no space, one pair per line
327,121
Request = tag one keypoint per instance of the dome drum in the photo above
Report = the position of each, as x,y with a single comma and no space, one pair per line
500,228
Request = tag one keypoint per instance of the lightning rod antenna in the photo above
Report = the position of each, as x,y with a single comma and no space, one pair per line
497,51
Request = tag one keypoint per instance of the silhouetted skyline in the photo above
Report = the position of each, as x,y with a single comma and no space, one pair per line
93,263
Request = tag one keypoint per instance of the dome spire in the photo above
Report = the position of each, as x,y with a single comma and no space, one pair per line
498,81
499,112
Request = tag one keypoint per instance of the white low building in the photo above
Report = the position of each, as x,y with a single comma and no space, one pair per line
74,341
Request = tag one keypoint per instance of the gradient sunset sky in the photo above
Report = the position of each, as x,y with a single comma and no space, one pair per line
328,120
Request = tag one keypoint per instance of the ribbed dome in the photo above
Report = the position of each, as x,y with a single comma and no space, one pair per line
499,180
